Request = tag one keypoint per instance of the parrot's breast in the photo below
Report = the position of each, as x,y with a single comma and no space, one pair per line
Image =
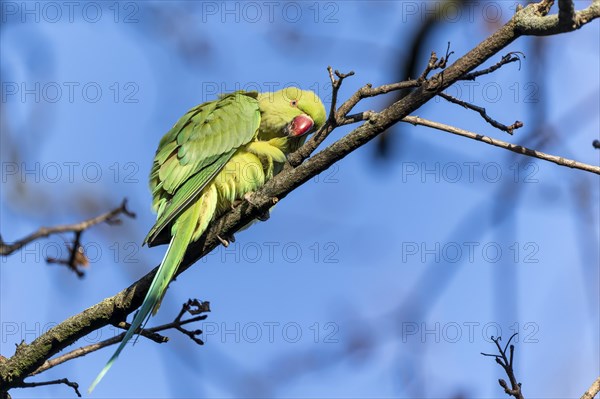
242,174
248,170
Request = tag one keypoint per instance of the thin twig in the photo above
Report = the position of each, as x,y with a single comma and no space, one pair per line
543,7
335,88
435,63
506,362
483,113
514,56
415,120
355,118
76,258
369,91
338,117
311,145
65,381
145,332
76,250
430,67
193,306
108,217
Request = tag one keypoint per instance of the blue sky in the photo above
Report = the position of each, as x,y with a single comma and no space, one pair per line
376,279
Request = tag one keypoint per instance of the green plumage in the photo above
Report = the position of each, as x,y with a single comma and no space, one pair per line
214,155
198,147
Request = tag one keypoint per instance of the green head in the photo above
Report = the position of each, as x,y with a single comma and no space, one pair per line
290,112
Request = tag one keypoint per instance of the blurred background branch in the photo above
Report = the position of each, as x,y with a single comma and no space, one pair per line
77,257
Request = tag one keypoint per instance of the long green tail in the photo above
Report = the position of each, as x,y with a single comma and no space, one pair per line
183,231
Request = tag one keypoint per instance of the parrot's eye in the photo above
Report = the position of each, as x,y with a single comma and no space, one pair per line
294,103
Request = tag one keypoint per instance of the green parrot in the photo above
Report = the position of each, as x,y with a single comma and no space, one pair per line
216,154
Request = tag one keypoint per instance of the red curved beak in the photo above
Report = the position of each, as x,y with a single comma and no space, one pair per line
299,126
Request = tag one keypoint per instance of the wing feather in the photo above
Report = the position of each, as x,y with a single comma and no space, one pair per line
196,149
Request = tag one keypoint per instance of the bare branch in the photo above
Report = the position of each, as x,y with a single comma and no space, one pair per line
593,391
368,91
431,65
507,364
311,145
543,7
65,381
483,113
361,116
108,217
534,21
192,306
77,257
335,88
566,13
415,120
435,63
338,118
145,332
514,56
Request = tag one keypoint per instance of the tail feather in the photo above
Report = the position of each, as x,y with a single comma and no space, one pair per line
182,236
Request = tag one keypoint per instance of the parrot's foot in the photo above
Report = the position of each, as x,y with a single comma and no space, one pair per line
226,240
237,202
248,197
223,241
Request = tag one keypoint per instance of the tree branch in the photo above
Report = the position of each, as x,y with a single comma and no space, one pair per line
593,391
566,13
507,364
193,307
65,381
528,20
533,21
76,258
43,232
514,56
338,118
483,113
415,120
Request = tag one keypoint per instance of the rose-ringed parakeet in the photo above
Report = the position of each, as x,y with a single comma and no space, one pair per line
218,152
